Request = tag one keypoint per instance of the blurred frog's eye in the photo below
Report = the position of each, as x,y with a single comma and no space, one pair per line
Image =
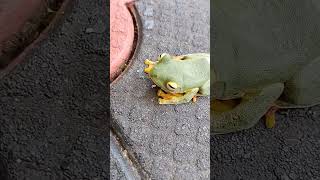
161,56
172,85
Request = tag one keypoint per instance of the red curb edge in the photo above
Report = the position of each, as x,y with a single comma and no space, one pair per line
123,35
136,43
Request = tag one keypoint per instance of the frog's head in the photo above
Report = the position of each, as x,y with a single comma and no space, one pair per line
165,73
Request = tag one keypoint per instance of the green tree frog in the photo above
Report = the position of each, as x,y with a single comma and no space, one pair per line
180,78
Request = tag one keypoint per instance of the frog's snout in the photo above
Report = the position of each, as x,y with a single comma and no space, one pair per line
150,65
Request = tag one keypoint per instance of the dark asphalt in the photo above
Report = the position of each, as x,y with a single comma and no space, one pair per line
53,106
290,151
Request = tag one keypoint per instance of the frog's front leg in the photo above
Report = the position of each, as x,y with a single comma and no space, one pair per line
177,98
247,113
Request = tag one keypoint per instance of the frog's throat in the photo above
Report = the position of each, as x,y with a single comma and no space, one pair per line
150,65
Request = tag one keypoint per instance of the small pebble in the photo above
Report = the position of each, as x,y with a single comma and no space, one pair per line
89,30
153,86
44,65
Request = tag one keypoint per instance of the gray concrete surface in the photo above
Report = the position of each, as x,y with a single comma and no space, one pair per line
121,167
116,172
167,141
290,151
53,110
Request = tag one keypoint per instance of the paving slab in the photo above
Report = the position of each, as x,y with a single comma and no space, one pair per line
54,120
166,141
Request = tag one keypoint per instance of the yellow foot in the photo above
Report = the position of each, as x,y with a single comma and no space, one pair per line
224,105
150,65
271,117
148,62
167,96
194,99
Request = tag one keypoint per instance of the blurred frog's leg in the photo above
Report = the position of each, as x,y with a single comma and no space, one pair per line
180,99
303,89
224,105
271,116
245,115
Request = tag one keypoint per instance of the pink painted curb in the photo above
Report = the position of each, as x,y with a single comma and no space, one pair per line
121,36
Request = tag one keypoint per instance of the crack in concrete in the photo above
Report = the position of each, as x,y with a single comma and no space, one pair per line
128,165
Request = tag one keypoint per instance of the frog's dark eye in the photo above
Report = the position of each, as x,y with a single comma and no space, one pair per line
172,86
161,55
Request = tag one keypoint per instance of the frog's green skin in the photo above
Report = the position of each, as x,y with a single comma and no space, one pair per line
267,53
188,74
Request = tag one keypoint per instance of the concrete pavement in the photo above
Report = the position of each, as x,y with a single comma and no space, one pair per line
166,142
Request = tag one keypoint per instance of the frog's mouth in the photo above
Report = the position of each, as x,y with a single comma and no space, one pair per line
150,65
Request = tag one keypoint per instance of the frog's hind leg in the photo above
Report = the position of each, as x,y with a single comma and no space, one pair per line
303,90
247,113
178,98
203,91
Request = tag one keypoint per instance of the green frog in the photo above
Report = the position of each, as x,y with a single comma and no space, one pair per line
180,78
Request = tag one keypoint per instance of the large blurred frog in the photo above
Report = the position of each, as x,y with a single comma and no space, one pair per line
265,56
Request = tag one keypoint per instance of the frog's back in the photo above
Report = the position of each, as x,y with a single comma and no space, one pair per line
260,42
195,70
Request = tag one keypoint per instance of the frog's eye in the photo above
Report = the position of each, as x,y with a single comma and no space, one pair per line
172,86
161,56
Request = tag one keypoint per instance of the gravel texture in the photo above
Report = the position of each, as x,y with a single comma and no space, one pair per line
53,105
289,151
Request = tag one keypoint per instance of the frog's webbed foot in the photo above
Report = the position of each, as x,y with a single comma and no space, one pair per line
168,98
150,65
271,117
177,98
220,106
247,113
